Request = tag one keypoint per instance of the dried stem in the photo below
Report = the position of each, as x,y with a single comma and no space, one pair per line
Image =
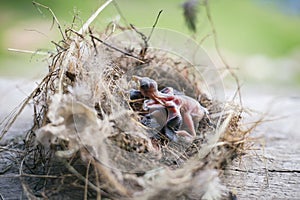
28,51
37,5
11,121
93,41
154,25
98,184
79,176
111,179
85,26
86,180
116,49
216,41
120,12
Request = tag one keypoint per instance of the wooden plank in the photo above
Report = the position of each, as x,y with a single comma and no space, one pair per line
260,184
272,171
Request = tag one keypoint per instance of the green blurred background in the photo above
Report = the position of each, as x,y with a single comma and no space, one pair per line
260,37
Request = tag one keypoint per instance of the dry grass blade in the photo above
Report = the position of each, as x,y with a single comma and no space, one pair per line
110,179
216,41
86,25
25,103
116,49
154,25
28,51
82,178
37,5
86,180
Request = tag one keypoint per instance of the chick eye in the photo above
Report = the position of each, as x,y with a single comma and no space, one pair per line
144,86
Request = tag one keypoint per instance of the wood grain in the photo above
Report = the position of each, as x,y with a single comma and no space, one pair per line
273,170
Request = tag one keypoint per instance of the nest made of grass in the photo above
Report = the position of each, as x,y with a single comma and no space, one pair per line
87,133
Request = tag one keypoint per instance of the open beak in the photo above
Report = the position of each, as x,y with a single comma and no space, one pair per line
139,79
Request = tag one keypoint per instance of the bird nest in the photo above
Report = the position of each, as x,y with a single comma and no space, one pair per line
88,139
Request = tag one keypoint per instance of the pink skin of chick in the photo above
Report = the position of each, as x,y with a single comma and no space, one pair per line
190,109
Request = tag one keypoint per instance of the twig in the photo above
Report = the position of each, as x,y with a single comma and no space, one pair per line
10,114
78,34
85,26
11,149
98,184
79,176
111,179
113,29
93,41
28,51
144,38
120,12
86,180
56,44
206,149
216,41
34,30
5,169
204,38
116,49
25,187
154,25
39,176
177,154
105,173
36,4
72,25
10,122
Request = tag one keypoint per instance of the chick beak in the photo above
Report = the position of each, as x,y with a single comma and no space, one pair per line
136,78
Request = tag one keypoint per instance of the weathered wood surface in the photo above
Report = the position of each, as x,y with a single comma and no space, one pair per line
12,93
271,172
